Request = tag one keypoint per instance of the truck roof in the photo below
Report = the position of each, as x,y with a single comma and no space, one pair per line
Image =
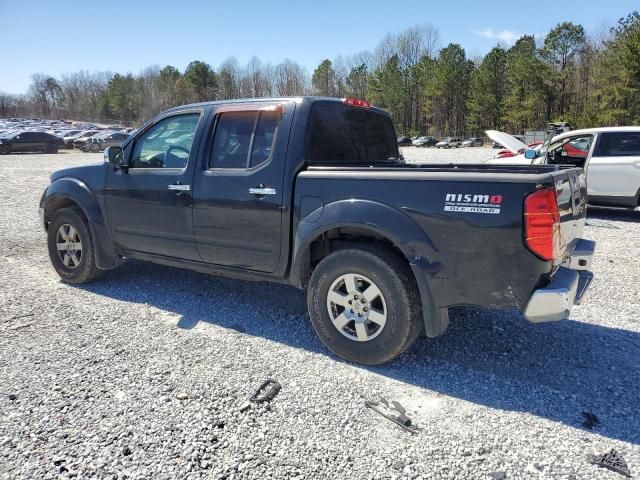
298,99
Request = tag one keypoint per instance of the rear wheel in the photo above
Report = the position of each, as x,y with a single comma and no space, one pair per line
52,148
71,247
94,147
364,305
5,149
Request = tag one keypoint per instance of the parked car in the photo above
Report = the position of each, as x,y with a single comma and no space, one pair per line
98,143
424,142
448,142
404,141
68,141
30,142
472,142
68,133
82,142
383,248
610,156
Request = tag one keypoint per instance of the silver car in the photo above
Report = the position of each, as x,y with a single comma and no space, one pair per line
449,142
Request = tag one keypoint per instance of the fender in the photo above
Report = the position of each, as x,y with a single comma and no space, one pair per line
66,189
384,221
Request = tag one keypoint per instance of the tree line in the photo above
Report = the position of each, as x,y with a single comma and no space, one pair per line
569,75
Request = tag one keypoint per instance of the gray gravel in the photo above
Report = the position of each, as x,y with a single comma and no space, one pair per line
448,155
145,373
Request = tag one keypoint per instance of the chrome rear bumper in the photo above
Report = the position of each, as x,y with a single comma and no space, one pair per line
567,287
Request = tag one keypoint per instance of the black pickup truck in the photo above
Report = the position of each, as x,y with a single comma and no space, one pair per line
313,192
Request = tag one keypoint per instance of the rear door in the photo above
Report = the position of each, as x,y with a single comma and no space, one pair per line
238,190
614,168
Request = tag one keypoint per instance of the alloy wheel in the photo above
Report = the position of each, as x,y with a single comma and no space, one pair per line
357,307
69,246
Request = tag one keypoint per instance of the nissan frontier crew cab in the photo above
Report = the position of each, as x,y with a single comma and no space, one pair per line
313,192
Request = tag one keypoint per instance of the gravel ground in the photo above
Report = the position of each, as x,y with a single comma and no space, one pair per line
144,374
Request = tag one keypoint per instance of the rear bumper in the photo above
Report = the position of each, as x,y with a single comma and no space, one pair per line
567,287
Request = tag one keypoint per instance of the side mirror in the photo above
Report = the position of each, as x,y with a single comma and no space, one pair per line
115,157
530,154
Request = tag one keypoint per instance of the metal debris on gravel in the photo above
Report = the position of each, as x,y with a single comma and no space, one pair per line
613,461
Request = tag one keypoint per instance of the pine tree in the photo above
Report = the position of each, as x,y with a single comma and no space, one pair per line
487,93
324,79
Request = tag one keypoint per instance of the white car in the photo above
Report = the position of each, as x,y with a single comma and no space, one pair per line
610,156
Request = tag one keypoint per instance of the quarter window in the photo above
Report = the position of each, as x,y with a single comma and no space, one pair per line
155,149
619,144
243,139
263,138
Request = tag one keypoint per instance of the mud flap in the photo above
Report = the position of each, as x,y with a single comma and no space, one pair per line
436,320
437,323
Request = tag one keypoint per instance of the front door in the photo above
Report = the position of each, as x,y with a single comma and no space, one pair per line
149,204
238,196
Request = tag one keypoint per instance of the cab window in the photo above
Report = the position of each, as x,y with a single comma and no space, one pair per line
154,148
344,134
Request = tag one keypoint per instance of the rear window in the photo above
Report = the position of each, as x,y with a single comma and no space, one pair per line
342,134
620,144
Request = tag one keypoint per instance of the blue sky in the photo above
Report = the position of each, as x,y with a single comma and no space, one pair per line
60,36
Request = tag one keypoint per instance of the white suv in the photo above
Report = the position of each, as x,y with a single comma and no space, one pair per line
610,156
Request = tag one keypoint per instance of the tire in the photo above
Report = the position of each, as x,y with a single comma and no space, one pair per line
94,147
52,148
5,149
72,268
398,302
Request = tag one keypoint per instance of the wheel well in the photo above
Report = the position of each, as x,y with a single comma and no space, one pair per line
336,239
56,204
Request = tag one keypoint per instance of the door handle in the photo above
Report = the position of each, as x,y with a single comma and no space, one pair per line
262,191
179,187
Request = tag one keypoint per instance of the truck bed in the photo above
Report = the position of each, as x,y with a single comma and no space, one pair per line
462,244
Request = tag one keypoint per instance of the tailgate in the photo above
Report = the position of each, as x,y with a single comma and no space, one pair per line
571,190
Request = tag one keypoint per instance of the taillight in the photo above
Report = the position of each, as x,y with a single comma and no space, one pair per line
354,102
542,223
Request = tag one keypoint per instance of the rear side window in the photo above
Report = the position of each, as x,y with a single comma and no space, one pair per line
620,144
343,134
243,139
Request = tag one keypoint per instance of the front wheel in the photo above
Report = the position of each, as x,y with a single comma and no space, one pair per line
364,305
94,147
71,247
4,149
